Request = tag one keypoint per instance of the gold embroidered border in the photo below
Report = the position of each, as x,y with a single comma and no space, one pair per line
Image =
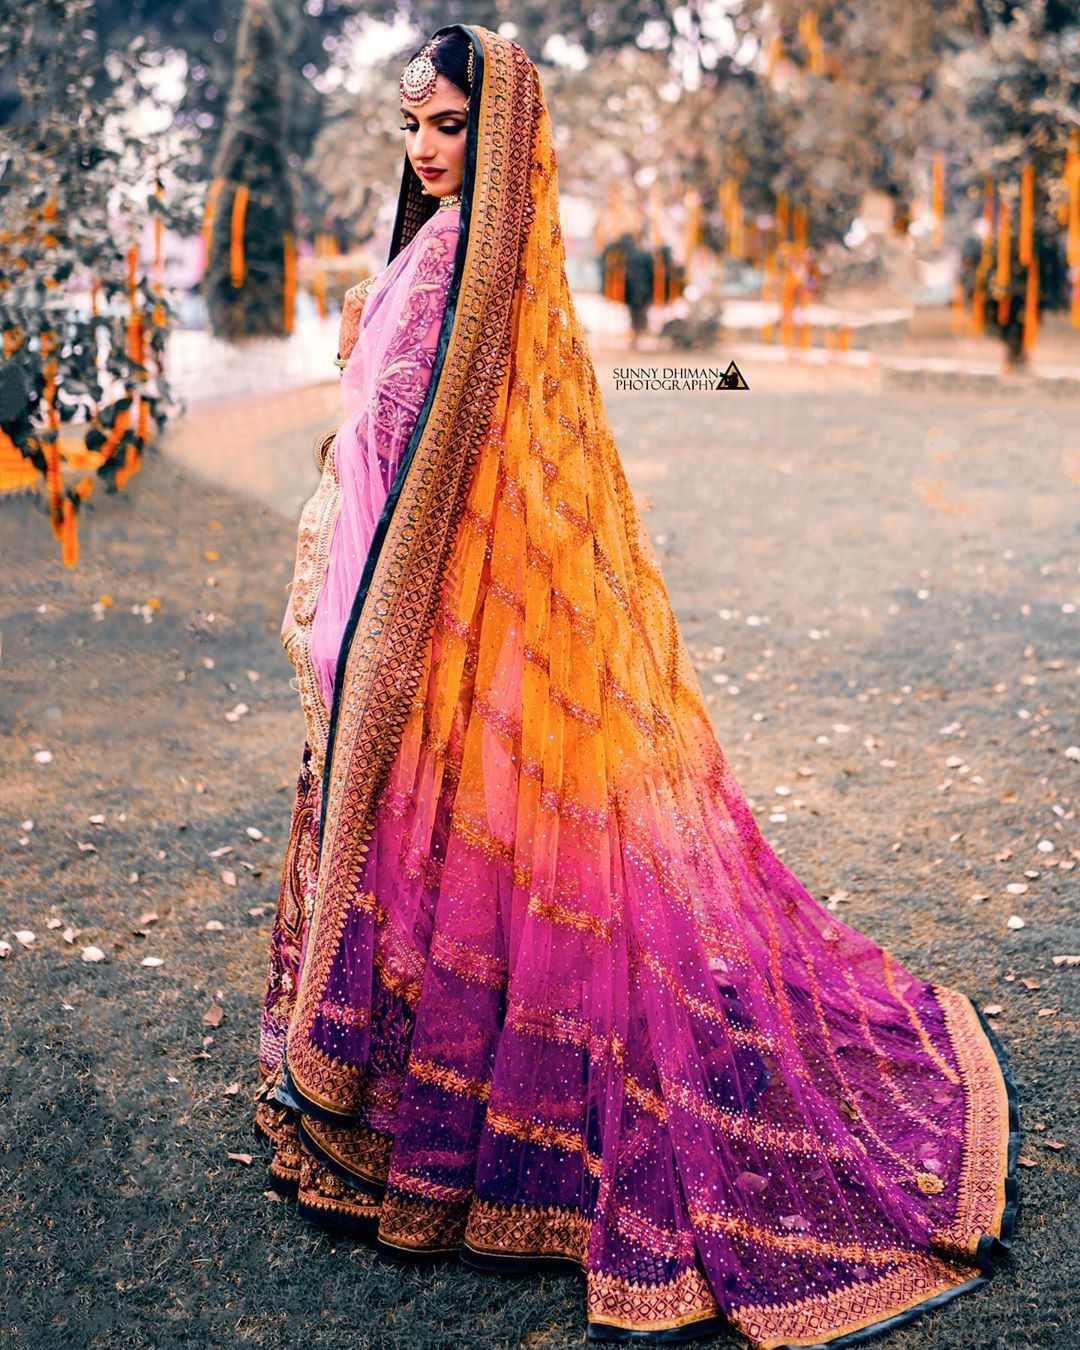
361,1151
980,1186
527,1230
420,1215
297,644
823,1317
614,1302
324,1192
419,1224
551,1231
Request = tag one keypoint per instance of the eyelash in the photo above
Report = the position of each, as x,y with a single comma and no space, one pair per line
450,128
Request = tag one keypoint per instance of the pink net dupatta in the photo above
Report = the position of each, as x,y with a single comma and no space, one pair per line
383,386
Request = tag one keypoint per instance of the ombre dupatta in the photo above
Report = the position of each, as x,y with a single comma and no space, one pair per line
556,996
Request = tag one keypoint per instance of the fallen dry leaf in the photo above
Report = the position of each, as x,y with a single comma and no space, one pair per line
92,954
245,1158
213,1015
1027,1162
1066,960
229,878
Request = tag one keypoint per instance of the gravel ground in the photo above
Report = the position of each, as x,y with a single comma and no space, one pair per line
880,593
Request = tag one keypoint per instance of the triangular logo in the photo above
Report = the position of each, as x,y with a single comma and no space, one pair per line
732,378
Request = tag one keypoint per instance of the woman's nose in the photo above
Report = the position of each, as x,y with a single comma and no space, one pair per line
423,147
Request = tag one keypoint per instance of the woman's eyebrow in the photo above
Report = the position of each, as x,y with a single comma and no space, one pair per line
431,117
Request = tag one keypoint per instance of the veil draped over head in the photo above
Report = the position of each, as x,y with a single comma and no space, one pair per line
558,997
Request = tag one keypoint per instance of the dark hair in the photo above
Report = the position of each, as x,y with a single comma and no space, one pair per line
451,58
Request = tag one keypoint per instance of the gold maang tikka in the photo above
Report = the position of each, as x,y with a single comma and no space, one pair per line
417,83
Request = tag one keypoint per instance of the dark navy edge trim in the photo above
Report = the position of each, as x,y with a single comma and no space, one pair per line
693,1331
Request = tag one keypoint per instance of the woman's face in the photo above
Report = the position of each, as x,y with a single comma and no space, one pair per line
435,138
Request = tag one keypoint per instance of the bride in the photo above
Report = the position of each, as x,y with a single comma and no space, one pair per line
538,986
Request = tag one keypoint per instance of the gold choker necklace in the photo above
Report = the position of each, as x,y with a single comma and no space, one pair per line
451,199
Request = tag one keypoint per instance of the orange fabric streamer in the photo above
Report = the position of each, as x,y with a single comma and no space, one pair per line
1027,215
237,262
1003,269
288,282
69,534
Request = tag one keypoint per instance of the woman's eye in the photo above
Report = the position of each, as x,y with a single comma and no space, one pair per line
406,126
452,128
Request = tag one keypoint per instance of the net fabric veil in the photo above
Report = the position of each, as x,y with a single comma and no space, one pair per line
556,996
